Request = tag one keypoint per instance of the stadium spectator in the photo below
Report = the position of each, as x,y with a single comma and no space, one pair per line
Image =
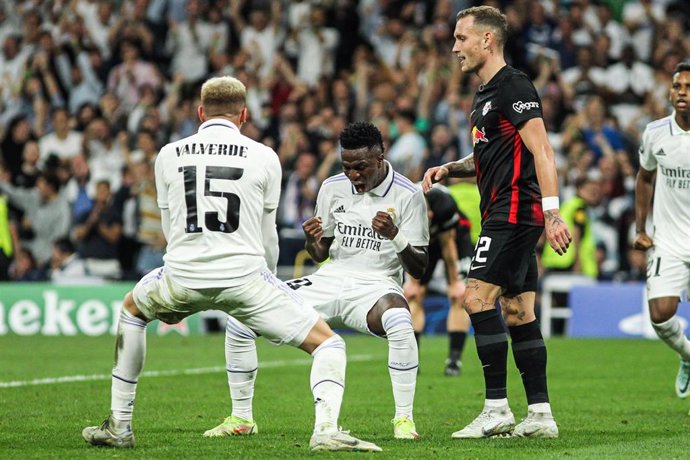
190,44
105,153
17,134
63,142
409,149
46,215
237,261
581,255
24,267
313,44
504,266
614,30
663,156
262,36
642,19
599,133
148,219
66,267
97,234
299,200
126,79
29,170
583,80
629,83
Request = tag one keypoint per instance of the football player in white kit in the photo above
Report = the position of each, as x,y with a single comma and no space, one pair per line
372,223
665,155
218,192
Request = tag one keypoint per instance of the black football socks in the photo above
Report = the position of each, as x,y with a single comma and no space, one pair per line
529,352
492,348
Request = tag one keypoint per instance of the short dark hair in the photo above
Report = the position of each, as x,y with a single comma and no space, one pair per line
52,180
489,17
64,245
361,134
682,67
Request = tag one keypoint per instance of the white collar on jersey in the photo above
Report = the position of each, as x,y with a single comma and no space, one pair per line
218,122
385,185
675,129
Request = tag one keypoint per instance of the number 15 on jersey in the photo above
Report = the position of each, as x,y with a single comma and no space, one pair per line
211,220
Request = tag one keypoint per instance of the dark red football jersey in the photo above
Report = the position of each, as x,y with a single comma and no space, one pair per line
506,175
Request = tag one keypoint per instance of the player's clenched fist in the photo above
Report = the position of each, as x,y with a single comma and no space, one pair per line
433,175
383,225
312,229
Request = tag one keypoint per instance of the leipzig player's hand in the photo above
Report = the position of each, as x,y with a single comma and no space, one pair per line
642,241
383,225
557,233
313,229
433,175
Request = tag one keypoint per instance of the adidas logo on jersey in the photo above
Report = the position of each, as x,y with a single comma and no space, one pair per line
661,153
340,208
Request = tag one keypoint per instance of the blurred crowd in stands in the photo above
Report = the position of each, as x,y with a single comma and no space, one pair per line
91,89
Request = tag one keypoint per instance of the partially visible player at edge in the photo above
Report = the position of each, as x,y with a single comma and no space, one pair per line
372,223
218,192
514,165
664,155
449,240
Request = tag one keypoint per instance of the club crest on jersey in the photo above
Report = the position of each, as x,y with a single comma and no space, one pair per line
478,135
486,108
391,212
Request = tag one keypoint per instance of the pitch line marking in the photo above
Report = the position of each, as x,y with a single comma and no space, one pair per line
169,373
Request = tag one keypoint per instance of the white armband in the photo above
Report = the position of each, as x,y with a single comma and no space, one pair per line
549,202
400,242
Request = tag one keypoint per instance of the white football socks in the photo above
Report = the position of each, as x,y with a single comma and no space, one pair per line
130,352
671,332
327,382
242,366
403,358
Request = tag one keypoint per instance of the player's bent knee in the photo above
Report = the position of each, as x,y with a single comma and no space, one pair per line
316,336
132,308
663,308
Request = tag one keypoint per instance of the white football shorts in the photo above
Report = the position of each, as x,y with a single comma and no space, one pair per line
343,300
264,304
667,275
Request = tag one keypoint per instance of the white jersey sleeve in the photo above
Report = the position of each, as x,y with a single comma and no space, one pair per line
273,181
161,187
647,160
414,222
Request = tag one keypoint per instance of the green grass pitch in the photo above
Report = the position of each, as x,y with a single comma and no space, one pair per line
611,399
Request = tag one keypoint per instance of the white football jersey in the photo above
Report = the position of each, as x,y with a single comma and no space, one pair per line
216,184
666,149
347,215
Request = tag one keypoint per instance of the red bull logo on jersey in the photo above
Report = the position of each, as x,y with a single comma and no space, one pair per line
478,135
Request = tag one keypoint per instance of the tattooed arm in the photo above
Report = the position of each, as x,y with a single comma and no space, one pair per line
461,168
533,133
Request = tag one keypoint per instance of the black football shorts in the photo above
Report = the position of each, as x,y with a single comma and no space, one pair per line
504,255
